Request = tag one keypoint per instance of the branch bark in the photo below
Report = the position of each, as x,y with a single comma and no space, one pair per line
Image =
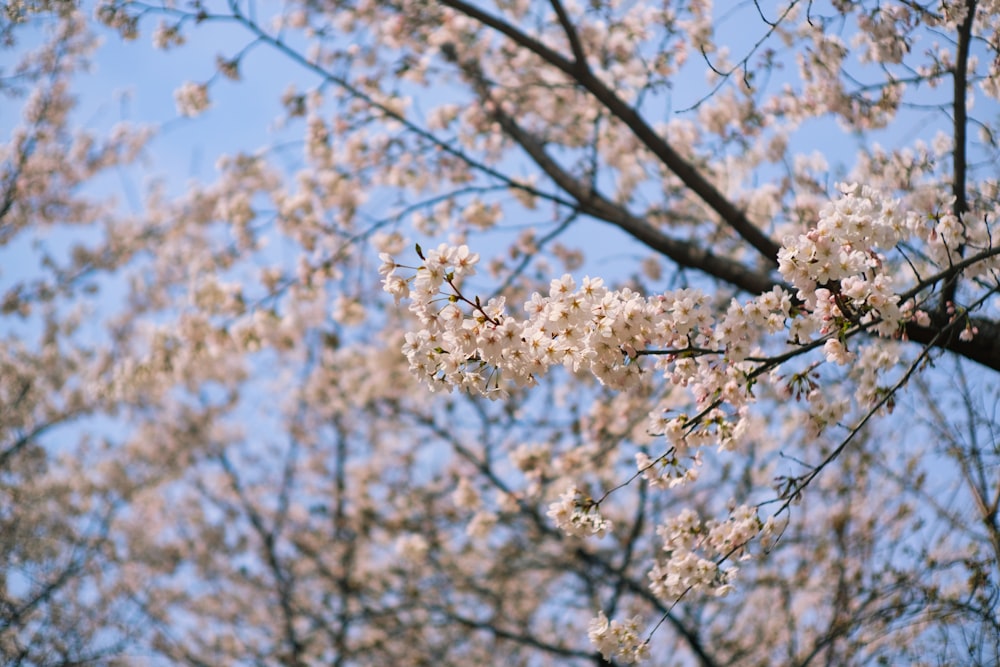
579,72
593,203
960,85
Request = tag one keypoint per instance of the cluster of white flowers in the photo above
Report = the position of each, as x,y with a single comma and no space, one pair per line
412,547
842,275
468,344
191,99
166,36
836,266
465,495
667,471
695,550
576,514
836,269
842,284
619,640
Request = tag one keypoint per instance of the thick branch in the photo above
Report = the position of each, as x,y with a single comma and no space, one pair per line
961,119
571,35
680,167
959,92
591,202
983,349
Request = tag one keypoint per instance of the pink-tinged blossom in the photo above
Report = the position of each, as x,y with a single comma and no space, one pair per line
577,515
191,99
618,640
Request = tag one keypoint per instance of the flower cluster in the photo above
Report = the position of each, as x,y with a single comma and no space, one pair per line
577,514
191,99
695,549
837,269
669,470
586,327
615,639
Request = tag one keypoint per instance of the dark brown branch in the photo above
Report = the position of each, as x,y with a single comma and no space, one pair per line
591,202
984,348
571,35
961,119
947,274
682,253
681,168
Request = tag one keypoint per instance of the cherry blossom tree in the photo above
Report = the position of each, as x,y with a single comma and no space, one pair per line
537,333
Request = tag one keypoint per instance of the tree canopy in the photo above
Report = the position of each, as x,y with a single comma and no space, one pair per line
524,333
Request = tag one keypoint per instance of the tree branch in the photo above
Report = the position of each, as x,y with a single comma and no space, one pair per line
591,202
961,119
680,167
